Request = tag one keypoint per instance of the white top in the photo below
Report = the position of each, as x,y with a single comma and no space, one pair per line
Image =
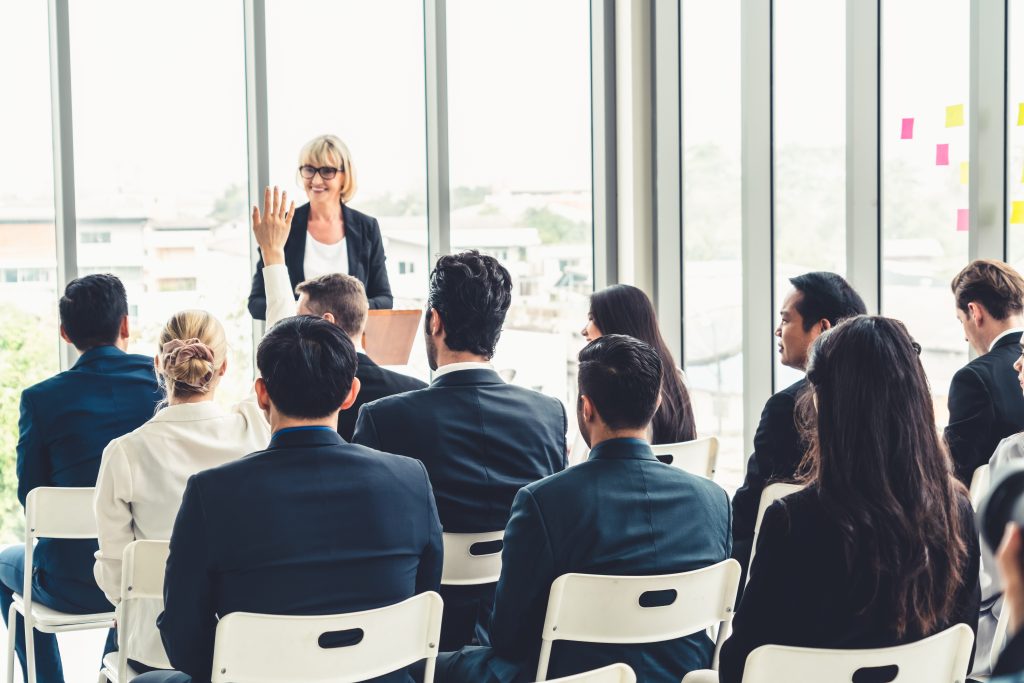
141,480
1012,330
324,259
455,367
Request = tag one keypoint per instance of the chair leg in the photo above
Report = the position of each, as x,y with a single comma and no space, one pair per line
30,648
12,634
103,677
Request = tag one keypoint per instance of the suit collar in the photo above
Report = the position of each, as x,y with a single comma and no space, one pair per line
96,352
305,438
1006,339
189,412
622,449
364,360
475,376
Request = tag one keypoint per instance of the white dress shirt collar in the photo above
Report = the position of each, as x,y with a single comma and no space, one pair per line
455,367
1012,330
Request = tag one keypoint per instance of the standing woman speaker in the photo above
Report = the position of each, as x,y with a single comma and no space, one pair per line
328,236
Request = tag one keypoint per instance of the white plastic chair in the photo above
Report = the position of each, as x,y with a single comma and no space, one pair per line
999,636
616,673
696,457
979,485
606,609
264,648
142,578
51,512
462,567
942,658
769,495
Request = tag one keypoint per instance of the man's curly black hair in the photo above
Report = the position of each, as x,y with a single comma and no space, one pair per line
471,292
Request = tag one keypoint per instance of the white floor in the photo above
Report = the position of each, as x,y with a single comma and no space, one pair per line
80,654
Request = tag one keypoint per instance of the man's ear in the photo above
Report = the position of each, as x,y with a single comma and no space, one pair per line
65,337
976,312
329,317
825,324
262,396
123,332
587,409
353,391
435,326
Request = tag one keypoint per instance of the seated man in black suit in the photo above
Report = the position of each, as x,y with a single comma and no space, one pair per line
622,512
985,400
337,298
817,302
312,525
481,439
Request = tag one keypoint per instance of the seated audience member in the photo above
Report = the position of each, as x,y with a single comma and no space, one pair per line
1001,516
66,421
985,401
311,525
880,549
624,309
620,513
817,302
337,298
144,472
480,439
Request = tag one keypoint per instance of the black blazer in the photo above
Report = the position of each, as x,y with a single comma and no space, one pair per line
311,525
376,382
1011,661
365,248
778,450
481,440
985,406
802,591
620,513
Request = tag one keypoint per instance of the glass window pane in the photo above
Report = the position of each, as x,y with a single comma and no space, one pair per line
810,144
925,91
521,177
712,227
1015,131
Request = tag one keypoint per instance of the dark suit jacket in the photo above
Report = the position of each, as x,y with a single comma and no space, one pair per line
985,406
365,248
376,382
311,525
802,591
481,441
66,422
621,512
1011,661
778,450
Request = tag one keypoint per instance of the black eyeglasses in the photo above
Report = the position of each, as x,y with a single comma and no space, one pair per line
326,172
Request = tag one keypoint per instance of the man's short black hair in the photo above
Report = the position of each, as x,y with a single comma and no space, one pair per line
307,365
471,292
621,376
826,296
92,309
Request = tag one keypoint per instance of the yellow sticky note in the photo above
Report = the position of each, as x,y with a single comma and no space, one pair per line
1017,215
965,172
1020,114
954,115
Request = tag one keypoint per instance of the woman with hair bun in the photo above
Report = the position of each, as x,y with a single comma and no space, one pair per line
143,473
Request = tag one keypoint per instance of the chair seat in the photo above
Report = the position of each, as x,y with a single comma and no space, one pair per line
46,617
110,668
701,676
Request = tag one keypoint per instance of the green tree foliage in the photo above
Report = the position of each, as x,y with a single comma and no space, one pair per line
231,205
554,228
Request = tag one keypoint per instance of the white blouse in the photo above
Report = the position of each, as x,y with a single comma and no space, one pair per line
324,259
141,480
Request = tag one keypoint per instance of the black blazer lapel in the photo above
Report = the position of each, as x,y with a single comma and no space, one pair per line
295,247
355,242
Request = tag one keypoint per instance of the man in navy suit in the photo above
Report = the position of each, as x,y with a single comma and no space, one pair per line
66,422
622,512
311,525
480,438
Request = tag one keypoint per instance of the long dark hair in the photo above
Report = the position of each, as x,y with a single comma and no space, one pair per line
622,309
882,472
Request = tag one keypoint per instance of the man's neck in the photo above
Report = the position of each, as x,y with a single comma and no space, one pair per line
279,422
449,357
599,434
1000,327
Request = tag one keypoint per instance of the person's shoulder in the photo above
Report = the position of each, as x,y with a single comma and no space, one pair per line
360,216
532,397
792,392
406,382
407,400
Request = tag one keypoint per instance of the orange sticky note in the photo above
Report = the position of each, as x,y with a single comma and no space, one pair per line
1017,214
963,220
942,155
965,172
1020,114
954,115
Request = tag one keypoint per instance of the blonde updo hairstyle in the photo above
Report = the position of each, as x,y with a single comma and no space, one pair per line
192,352
329,150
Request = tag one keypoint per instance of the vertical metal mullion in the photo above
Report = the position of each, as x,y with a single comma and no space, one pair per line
435,45
256,120
757,210
987,126
667,173
604,159
863,146
65,218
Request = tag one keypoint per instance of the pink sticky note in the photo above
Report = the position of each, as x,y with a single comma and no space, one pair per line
908,130
963,220
942,155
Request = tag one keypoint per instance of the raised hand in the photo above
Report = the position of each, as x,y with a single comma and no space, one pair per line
272,227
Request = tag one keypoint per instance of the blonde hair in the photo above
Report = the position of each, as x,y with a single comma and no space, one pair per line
329,150
193,347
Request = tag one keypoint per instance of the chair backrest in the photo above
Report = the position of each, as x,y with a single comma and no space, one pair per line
696,457
999,636
263,648
142,577
616,673
979,485
462,567
942,658
769,495
637,609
